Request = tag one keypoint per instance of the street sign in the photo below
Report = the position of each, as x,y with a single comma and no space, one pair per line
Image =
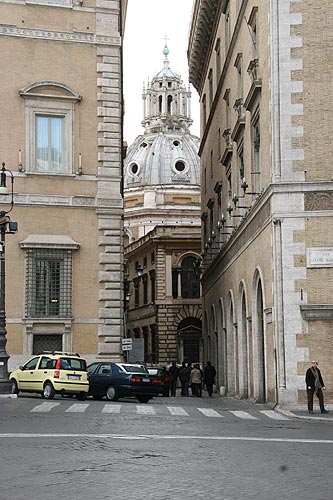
127,347
126,344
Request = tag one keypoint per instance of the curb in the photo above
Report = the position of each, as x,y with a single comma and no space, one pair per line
289,413
8,396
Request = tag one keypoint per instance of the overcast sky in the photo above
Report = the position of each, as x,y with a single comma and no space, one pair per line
148,22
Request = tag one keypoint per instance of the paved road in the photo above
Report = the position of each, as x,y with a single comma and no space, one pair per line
170,448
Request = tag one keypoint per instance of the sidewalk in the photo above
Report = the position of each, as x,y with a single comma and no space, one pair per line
303,414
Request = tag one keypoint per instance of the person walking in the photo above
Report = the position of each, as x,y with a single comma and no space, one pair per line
209,377
184,377
315,385
173,375
196,380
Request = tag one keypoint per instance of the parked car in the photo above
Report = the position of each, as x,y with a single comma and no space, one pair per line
52,373
162,373
118,380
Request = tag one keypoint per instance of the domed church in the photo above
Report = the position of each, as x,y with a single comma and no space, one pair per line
163,227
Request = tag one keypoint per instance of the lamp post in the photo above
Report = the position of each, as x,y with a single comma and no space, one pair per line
6,226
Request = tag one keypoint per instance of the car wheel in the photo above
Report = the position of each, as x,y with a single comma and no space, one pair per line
48,391
97,396
143,399
111,393
15,389
82,396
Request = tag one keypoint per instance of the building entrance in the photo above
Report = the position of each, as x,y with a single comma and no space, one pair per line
189,335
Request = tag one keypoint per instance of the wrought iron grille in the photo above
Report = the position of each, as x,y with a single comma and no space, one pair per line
43,343
48,283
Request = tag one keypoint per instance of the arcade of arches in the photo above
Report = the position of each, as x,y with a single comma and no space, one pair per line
238,341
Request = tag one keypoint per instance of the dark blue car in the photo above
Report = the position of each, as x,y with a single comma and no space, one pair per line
119,380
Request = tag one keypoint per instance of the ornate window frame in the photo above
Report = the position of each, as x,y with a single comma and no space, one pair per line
49,98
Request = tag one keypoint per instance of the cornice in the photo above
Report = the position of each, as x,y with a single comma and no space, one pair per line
58,36
202,33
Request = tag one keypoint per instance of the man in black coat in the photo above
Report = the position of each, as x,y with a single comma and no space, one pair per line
209,377
315,385
173,374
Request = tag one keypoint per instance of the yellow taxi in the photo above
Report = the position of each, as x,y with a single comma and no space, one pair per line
52,373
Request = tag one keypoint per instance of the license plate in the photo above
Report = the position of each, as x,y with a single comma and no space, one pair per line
146,380
73,377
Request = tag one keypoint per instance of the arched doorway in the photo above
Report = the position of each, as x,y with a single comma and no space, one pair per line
221,347
231,351
189,334
243,345
260,343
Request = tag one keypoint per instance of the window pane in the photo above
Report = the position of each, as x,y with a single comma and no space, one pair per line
56,144
49,143
42,143
190,281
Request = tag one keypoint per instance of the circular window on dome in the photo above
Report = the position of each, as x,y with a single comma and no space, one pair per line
180,167
134,169
176,143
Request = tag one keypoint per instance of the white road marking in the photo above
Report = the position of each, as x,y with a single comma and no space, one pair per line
243,414
157,437
77,408
111,408
208,412
177,410
272,414
145,410
44,407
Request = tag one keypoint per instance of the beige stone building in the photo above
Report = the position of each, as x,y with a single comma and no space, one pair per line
61,136
263,71
162,227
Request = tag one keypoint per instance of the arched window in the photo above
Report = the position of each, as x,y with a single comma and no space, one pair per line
169,103
190,278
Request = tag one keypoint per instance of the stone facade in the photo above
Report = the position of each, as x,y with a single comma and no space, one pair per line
165,317
266,192
62,61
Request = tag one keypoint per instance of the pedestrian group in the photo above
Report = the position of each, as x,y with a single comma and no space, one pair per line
192,378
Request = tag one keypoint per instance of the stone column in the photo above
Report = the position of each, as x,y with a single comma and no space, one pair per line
278,301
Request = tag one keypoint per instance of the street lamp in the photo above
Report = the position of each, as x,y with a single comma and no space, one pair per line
10,227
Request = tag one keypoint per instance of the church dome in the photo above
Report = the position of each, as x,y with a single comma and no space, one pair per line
162,166
164,158
167,153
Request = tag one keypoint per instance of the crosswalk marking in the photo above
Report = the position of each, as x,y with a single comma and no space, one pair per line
272,414
145,410
243,414
44,407
111,408
177,410
208,412
77,408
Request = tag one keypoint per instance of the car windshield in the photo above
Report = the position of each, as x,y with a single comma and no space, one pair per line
133,368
